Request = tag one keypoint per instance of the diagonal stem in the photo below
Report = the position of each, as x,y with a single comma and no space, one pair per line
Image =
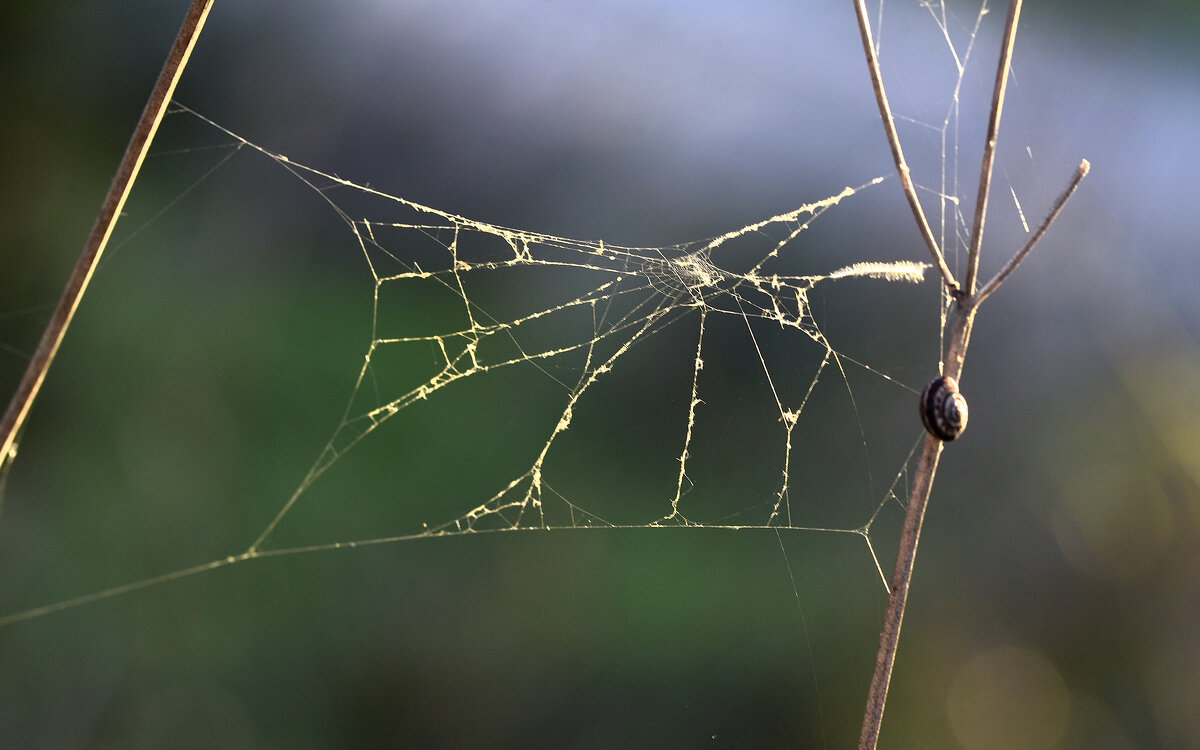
885,657
918,501
889,125
110,210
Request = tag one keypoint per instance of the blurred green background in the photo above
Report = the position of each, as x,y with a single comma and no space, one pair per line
1056,596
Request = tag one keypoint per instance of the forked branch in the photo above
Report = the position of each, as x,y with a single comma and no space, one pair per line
110,210
966,305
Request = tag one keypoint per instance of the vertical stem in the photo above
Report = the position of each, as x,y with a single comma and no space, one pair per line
110,210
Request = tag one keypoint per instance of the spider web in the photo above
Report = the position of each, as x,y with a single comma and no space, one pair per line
522,382
623,297
454,300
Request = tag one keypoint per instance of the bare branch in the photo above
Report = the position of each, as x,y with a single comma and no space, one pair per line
889,125
1080,172
110,210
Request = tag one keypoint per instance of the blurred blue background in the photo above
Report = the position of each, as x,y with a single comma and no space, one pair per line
1055,602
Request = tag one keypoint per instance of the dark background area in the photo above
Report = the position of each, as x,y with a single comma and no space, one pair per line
1055,598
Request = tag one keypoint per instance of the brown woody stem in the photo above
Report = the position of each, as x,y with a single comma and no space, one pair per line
889,125
110,210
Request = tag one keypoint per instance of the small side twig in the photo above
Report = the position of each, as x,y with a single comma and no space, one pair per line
966,305
110,210
1080,172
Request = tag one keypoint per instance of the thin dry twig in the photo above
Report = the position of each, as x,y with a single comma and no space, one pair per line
966,306
110,210
889,125
1080,172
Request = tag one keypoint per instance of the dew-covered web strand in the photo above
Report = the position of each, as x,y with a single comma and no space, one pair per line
674,280
635,294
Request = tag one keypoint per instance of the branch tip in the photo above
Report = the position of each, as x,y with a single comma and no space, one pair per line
1059,203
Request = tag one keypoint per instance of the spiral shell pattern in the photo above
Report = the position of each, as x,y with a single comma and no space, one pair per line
944,409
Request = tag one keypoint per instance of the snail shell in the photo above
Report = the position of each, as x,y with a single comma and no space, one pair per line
944,409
